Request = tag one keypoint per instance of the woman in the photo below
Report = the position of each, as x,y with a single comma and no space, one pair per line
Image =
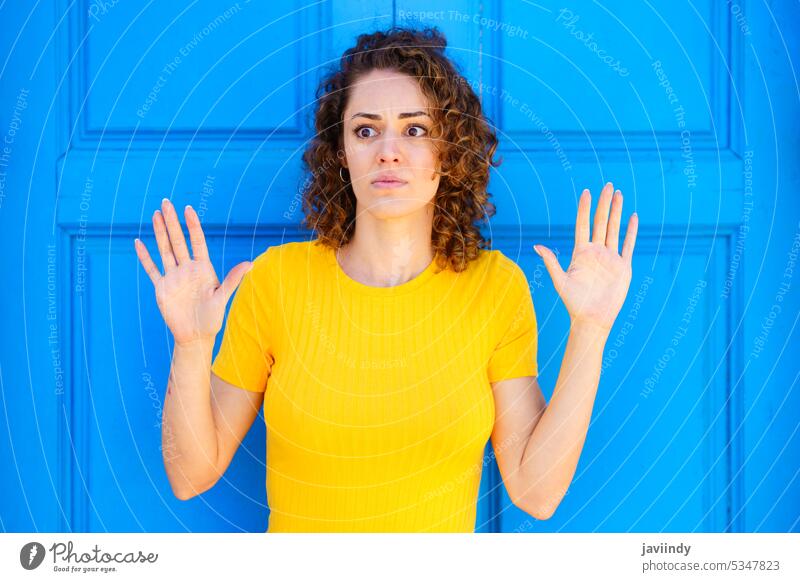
388,350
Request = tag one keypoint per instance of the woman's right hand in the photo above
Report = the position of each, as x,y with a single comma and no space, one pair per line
189,295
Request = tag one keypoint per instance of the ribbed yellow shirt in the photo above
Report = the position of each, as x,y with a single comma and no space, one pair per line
378,404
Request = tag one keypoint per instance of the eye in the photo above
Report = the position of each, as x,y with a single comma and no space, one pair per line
418,131
358,133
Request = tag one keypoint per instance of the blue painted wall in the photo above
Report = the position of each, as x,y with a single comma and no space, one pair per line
690,108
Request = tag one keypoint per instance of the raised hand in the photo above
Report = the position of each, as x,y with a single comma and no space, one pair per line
594,286
189,295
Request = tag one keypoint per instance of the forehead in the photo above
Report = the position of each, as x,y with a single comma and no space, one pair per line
385,92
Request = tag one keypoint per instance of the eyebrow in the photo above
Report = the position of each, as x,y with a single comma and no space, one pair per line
400,116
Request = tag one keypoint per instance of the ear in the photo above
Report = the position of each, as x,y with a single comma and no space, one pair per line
439,170
343,157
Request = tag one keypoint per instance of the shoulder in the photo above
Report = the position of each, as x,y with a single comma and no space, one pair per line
500,270
286,258
286,251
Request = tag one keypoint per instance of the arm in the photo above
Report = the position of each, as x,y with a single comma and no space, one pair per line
538,469
188,431
543,442
197,405
204,421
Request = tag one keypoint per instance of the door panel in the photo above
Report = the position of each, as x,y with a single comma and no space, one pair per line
106,108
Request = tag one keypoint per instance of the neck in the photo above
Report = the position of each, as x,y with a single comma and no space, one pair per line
386,257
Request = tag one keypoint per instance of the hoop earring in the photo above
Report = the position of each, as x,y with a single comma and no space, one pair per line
340,174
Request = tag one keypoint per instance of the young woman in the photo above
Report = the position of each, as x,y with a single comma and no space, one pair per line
389,349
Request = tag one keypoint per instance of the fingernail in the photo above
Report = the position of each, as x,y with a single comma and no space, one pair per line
188,206
536,248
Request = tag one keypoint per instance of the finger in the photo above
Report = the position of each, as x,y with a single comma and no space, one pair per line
601,214
582,222
232,281
162,240
199,247
612,237
557,274
630,237
149,266
176,237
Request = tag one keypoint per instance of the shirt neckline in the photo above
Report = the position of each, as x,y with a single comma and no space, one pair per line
351,284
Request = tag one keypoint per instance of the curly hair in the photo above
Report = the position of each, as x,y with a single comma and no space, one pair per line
464,141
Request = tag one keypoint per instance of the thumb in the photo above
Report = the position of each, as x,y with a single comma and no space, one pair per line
557,274
233,280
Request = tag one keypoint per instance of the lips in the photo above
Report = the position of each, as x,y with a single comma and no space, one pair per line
388,179
388,184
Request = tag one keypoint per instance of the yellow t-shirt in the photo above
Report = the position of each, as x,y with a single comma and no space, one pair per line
378,404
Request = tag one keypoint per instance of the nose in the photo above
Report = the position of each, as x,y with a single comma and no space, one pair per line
387,148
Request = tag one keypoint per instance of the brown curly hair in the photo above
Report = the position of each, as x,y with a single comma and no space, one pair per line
465,142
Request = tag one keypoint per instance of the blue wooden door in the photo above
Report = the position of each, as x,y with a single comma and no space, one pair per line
106,107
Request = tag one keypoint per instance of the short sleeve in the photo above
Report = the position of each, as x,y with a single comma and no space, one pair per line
245,356
514,355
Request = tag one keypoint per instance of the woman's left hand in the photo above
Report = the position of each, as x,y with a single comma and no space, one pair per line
594,286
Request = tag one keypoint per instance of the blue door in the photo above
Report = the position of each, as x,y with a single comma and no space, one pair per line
690,109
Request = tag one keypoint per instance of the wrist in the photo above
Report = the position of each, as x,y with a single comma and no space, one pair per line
204,343
590,328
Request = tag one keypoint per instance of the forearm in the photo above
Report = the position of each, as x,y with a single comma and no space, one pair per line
189,435
551,454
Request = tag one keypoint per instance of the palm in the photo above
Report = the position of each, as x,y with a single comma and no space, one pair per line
189,295
185,297
596,282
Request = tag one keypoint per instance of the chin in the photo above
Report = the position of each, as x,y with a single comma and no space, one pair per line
386,207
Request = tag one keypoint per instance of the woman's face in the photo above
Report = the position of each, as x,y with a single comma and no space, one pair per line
386,124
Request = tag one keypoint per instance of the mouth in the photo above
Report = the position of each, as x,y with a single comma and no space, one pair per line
388,184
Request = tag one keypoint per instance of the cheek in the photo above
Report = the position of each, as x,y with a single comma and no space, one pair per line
357,154
424,160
